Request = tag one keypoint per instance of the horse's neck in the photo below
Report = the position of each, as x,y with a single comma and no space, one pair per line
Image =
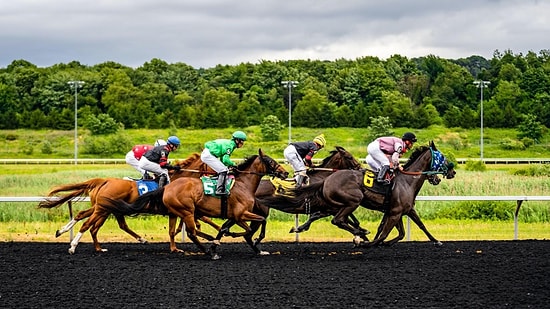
421,164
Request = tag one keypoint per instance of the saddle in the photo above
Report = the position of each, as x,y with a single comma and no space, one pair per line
283,186
209,184
370,183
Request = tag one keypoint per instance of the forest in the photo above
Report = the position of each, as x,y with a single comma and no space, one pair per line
414,93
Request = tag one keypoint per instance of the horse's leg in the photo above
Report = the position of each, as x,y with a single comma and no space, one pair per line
86,226
416,219
95,228
124,226
209,221
400,229
312,218
386,225
224,229
81,215
341,220
255,225
172,219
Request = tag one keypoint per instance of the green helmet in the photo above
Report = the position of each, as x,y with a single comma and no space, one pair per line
239,135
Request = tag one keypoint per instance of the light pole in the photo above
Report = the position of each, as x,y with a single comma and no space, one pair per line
289,84
75,84
481,84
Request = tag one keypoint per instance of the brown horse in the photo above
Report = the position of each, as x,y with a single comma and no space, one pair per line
344,191
337,160
116,188
185,198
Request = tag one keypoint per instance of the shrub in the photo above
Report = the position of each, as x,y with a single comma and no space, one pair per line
475,165
534,170
47,147
509,144
485,210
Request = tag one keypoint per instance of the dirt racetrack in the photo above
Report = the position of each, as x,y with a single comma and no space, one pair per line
478,274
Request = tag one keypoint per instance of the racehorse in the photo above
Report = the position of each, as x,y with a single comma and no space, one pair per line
186,198
344,191
337,160
116,188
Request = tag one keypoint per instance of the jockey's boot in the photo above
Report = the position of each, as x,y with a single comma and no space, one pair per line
162,181
301,179
146,176
382,173
220,188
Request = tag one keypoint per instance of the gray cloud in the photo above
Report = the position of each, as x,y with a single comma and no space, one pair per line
206,33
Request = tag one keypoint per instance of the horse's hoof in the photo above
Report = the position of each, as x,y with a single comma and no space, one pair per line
438,244
57,233
142,240
293,230
177,250
264,253
71,250
357,240
216,257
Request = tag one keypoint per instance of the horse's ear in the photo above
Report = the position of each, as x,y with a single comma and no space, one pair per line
261,153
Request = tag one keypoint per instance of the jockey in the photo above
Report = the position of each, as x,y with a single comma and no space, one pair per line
133,156
298,153
381,149
156,160
216,155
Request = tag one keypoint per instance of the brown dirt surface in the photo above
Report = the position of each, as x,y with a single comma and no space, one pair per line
468,274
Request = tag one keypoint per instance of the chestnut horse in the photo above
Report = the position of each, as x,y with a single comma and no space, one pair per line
344,191
337,160
185,197
116,188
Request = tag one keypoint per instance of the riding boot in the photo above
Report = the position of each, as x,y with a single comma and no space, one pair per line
146,176
382,173
299,181
162,181
220,188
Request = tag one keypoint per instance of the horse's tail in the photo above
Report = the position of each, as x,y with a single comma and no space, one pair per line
303,197
150,202
78,190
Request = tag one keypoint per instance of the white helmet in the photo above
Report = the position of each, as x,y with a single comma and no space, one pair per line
160,142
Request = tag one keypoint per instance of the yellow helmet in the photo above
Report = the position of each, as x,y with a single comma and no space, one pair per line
320,140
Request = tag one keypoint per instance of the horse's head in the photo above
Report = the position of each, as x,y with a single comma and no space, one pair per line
273,168
440,164
341,159
431,162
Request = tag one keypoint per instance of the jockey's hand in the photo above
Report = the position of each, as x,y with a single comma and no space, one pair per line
173,167
232,168
309,164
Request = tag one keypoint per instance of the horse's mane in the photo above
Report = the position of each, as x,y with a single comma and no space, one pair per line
417,152
247,162
414,156
189,161
327,159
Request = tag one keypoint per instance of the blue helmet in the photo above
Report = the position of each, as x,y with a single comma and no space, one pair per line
173,140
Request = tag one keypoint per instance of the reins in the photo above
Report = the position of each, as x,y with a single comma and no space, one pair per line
435,167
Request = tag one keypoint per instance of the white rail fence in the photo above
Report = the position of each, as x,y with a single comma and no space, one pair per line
519,199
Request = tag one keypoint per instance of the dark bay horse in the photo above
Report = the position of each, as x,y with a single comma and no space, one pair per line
337,160
185,198
344,191
116,188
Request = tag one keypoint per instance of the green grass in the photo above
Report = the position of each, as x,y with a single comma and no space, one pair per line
24,221
462,143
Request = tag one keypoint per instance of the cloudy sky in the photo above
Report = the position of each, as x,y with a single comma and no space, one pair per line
204,33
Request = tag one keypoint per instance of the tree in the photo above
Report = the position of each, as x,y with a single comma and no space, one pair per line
530,128
380,126
271,128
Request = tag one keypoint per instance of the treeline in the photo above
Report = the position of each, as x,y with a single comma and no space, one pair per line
413,93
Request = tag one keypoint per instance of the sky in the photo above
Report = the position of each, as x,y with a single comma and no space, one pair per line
206,33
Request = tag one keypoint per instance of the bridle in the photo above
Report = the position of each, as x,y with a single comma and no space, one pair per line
438,165
272,168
